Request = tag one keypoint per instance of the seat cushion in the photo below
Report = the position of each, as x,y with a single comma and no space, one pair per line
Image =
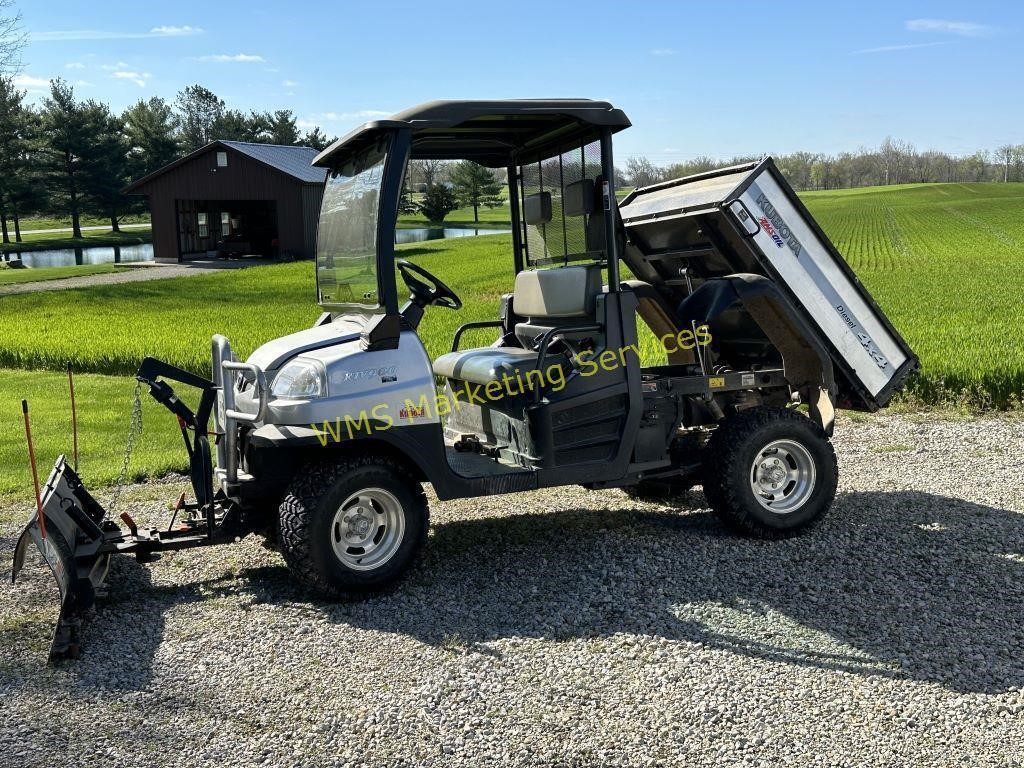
484,364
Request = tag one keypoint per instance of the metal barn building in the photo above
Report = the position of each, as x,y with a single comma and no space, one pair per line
235,198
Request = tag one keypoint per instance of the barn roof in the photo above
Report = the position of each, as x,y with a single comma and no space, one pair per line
292,161
295,161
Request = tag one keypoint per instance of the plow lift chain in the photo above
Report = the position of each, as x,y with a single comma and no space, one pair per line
134,430
77,536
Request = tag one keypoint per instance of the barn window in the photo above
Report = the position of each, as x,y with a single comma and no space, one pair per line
225,224
222,159
203,224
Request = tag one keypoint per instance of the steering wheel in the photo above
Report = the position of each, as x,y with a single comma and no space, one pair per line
433,292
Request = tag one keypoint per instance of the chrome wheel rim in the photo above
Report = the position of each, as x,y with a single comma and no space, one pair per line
367,529
782,476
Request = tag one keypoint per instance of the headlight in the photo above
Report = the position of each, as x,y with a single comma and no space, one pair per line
300,379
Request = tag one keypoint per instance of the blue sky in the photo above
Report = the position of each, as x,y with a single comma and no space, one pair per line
713,78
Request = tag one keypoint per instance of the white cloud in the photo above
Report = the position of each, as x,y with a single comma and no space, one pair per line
887,48
289,83
139,78
338,121
64,35
362,114
663,52
31,83
962,28
171,31
74,65
244,58
112,67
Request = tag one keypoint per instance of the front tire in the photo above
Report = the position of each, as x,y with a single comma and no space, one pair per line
353,525
770,472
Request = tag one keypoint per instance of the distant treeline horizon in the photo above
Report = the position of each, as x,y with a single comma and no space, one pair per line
68,157
892,162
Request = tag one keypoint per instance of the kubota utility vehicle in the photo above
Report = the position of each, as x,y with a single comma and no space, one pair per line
322,439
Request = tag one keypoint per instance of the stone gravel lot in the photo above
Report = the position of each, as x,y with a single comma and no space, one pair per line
570,627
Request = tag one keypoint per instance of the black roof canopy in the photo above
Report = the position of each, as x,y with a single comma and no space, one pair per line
492,133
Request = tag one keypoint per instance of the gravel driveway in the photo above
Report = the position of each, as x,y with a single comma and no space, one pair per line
570,627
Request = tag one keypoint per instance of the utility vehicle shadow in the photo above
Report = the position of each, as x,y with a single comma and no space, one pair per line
119,636
906,585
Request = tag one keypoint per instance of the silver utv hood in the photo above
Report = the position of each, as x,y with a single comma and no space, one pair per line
276,353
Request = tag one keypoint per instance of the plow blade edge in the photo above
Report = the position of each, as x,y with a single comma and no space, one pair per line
73,548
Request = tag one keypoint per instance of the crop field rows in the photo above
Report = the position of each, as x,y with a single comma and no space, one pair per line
942,260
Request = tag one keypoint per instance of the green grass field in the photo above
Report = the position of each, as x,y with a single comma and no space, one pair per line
104,405
942,261
39,274
64,222
493,218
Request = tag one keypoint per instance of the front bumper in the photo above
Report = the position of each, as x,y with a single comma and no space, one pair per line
227,413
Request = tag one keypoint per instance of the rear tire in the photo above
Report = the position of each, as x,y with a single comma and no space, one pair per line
770,472
352,526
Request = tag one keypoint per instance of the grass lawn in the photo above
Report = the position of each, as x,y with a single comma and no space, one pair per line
109,329
64,222
940,259
88,240
104,404
37,274
495,218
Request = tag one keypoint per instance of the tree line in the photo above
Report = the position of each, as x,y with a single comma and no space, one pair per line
70,157
445,186
892,162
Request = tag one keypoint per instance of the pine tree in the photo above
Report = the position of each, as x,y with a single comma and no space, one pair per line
66,138
150,128
316,139
106,166
16,144
200,109
438,203
283,127
475,185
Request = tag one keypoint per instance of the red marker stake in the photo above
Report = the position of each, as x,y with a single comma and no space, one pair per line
35,474
74,416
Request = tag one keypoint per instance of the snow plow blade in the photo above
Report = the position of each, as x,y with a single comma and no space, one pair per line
73,548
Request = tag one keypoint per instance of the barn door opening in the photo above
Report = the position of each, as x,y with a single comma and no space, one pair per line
190,225
246,228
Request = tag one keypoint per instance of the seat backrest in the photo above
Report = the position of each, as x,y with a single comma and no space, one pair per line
560,292
549,298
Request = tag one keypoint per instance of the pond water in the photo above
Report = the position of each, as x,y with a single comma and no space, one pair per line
123,254
69,257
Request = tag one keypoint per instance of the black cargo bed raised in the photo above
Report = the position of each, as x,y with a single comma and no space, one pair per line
748,219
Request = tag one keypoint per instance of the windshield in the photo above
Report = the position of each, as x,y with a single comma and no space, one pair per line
346,254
